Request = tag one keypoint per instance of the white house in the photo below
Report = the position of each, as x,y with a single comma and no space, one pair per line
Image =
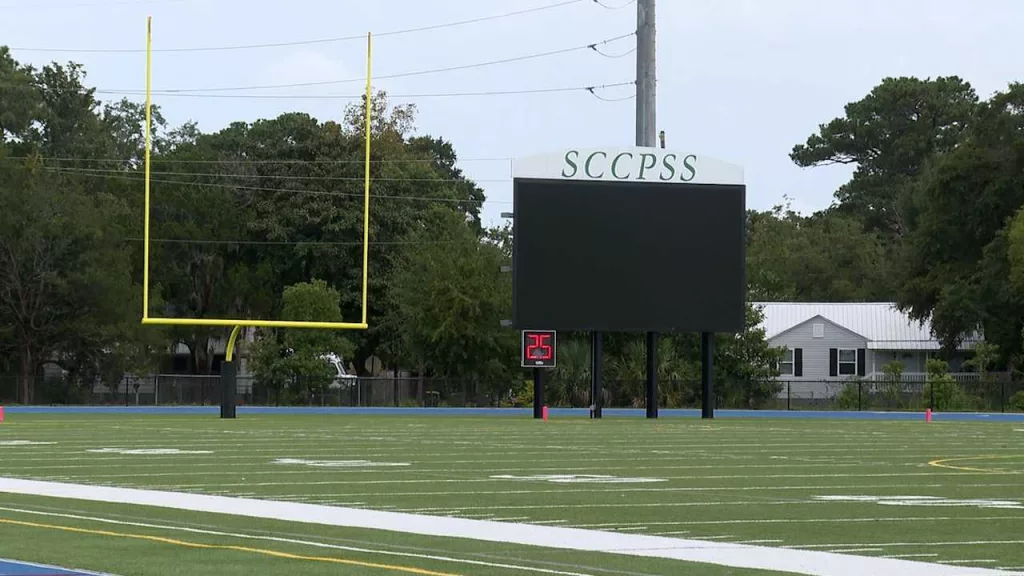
839,341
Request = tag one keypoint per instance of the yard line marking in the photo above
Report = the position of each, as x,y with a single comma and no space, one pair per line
242,536
912,556
479,480
814,563
944,463
968,561
389,494
260,551
913,544
675,533
758,541
848,550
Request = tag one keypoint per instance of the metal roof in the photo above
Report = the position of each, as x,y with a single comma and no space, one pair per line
880,323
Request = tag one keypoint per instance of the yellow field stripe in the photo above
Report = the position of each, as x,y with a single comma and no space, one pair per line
944,463
262,551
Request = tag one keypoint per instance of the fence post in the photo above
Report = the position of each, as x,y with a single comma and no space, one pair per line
789,395
1002,395
860,394
931,395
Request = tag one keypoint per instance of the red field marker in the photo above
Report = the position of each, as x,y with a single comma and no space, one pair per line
1,413
543,413
928,415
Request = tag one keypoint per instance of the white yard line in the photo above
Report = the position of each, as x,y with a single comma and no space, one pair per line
968,561
390,494
853,550
912,544
241,536
724,554
911,556
398,472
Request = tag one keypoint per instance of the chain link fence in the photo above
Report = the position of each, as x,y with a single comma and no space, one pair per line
185,390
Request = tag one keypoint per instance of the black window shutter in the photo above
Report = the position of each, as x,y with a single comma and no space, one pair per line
798,362
862,355
833,362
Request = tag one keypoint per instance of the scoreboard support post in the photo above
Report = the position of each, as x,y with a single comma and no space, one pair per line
707,364
538,393
596,378
538,352
652,375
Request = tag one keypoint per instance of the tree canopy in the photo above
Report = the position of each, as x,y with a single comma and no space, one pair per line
263,219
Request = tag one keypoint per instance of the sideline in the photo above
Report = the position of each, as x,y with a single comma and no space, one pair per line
309,543
260,551
814,563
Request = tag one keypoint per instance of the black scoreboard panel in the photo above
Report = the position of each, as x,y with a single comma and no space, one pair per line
629,256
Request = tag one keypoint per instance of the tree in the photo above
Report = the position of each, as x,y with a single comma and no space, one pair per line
748,364
299,356
64,268
826,257
449,297
890,135
957,263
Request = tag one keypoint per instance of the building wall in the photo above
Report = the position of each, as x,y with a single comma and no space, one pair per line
816,355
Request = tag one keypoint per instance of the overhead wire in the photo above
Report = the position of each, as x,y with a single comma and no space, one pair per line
360,96
619,7
273,176
242,161
549,53
284,242
311,42
129,177
613,56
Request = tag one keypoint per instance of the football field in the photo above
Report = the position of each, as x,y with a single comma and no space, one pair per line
495,496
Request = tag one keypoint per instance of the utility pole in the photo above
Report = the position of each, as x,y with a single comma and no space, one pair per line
646,135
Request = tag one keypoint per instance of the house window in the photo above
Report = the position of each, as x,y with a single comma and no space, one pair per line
847,361
786,364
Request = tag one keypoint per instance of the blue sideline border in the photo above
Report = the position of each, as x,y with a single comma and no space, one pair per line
14,568
517,412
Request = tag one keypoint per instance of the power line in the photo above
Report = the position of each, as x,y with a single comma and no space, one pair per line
158,160
283,242
360,96
622,55
121,175
310,42
619,7
43,6
284,176
398,75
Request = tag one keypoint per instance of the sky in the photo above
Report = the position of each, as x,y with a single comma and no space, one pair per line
739,80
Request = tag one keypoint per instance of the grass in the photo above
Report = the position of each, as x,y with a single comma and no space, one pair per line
771,483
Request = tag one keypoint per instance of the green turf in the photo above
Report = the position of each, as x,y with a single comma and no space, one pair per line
731,481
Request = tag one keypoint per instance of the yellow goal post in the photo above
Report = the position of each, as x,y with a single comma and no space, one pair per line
237,324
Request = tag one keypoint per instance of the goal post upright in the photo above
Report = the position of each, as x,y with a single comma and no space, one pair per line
362,324
149,125
229,369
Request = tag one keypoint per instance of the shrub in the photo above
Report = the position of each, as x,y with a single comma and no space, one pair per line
1017,402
